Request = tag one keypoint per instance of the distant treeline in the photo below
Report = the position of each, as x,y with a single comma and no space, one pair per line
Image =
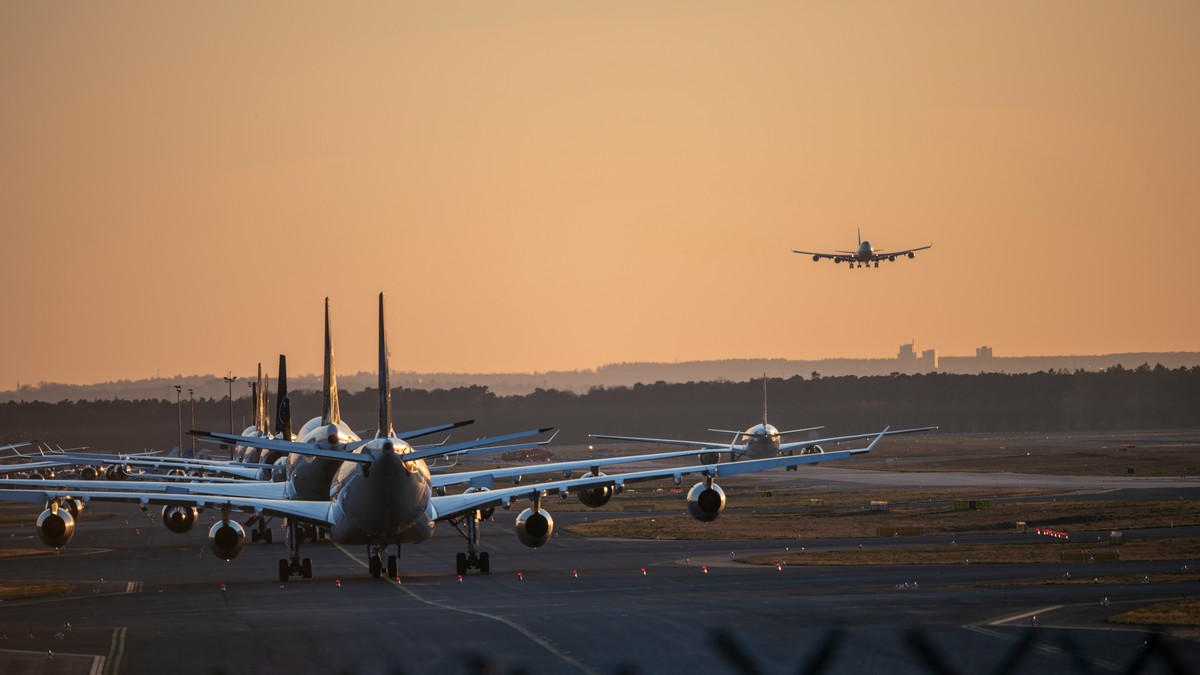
1117,398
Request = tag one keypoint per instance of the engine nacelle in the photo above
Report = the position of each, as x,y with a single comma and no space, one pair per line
55,527
911,256
816,258
227,539
279,473
534,527
705,503
597,496
89,473
484,514
37,475
75,506
180,519
175,473
116,472
710,457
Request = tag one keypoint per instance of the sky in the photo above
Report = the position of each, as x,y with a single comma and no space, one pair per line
559,185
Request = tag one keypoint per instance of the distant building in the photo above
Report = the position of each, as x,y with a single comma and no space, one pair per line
929,360
984,352
908,354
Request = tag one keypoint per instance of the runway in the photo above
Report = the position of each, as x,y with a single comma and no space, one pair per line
166,604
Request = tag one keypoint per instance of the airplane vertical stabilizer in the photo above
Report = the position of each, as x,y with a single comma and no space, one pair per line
764,399
283,410
330,411
257,392
385,388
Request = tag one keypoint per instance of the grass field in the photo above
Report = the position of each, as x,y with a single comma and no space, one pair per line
936,518
23,590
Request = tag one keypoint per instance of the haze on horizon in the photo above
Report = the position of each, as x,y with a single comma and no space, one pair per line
555,186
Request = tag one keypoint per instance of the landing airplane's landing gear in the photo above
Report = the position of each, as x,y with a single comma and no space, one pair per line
294,566
876,263
473,558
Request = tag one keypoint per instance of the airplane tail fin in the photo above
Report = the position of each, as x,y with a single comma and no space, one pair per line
330,411
265,392
283,410
764,399
385,389
257,402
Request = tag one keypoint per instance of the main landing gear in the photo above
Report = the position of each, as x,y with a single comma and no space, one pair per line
294,566
260,529
473,558
375,561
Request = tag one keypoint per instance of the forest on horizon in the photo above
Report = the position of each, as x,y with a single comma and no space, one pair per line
1115,399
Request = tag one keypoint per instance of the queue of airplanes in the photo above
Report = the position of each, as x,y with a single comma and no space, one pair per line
382,492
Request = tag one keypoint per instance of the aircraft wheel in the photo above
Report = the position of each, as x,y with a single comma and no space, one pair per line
253,536
268,536
374,565
285,570
460,563
306,568
392,567
485,563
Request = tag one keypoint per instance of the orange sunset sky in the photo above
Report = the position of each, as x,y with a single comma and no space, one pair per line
560,185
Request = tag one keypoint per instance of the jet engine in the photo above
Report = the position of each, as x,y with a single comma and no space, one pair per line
75,506
116,472
534,527
55,527
180,519
710,458
597,496
705,502
484,514
911,256
816,258
37,475
88,473
227,539
279,472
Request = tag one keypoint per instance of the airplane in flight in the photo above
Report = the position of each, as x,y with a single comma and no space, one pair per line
865,255
759,441
382,495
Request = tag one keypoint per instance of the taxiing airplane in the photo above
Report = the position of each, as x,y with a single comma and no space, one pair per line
865,255
759,441
382,495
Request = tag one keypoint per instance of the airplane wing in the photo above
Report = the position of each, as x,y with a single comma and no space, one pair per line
487,477
797,445
452,506
828,256
314,450
418,433
887,254
30,466
250,489
667,441
241,471
310,511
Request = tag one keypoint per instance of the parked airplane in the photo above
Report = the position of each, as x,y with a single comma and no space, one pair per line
382,495
865,255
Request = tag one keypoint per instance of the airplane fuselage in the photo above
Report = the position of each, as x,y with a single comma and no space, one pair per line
759,441
310,478
387,501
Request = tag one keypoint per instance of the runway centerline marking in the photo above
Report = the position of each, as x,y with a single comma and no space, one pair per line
536,639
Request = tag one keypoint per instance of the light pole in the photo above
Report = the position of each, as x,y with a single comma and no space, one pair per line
179,410
229,379
192,400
